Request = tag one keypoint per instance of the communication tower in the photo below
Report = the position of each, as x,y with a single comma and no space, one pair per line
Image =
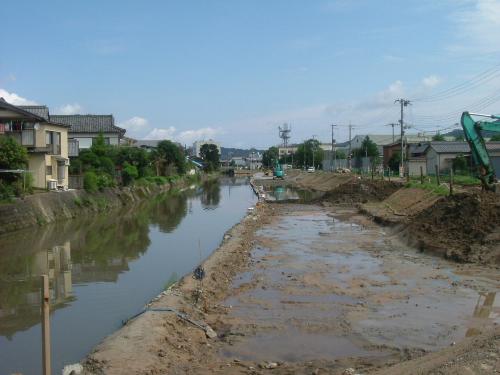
284,132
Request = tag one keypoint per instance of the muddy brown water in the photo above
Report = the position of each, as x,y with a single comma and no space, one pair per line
329,284
104,269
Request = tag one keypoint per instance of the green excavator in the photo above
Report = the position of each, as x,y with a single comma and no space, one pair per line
278,171
480,157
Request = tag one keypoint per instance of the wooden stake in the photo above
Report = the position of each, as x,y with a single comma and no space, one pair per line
437,175
421,175
45,305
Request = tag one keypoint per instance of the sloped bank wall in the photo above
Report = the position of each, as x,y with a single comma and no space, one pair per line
48,207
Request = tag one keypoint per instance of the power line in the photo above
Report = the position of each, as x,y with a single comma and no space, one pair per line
477,80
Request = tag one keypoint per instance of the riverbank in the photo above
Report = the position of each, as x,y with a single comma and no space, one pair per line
163,341
48,207
338,296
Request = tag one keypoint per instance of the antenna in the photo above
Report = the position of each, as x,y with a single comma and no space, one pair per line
284,133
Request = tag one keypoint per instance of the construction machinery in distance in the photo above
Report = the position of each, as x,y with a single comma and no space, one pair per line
473,134
278,171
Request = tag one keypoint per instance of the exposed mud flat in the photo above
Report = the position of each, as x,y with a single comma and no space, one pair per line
330,291
307,289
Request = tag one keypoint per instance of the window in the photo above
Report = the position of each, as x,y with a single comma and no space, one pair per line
48,170
106,141
48,138
53,140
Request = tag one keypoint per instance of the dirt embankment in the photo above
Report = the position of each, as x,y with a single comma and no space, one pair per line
318,181
463,227
355,191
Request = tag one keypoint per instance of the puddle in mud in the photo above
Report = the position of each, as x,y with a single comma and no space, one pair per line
284,346
325,287
290,194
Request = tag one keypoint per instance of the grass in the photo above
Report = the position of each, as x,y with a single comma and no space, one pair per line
463,180
436,189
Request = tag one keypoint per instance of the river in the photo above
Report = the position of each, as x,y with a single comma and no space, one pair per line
104,268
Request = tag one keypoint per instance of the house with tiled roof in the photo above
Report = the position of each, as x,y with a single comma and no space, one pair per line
441,154
86,128
45,141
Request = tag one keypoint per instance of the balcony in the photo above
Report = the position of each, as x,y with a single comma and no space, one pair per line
23,137
73,147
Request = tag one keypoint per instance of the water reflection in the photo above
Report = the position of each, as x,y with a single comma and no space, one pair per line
485,309
104,268
210,197
19,286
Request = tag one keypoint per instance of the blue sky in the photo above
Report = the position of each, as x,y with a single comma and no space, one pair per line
234,70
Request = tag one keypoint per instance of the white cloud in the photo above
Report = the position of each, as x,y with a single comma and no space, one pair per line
69,109
135,124
15,99
477,27
431,81
184,137
189,136
160,134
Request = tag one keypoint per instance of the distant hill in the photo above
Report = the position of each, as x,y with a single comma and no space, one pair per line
227,152
460,132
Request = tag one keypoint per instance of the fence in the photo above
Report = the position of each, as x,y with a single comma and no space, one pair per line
75,181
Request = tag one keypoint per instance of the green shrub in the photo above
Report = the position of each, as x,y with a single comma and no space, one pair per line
6,191
104,180
90,182
129,173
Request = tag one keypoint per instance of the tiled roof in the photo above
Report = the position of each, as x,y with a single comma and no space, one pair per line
460,147
38,110
146,143
88,123
450,147
17,109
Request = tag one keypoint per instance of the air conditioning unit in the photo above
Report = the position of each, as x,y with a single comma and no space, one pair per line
52,184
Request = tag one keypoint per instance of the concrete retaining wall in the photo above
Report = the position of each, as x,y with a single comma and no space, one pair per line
47,207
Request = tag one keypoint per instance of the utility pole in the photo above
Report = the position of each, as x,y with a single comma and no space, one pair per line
349,157
313,148
403,103
333,157
393,125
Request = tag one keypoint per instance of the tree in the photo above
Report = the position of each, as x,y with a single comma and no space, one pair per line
340,154
459,164
269,156
438,137
394,161
12,154
305,152
459,138
136,156
368,149
210,154
172,155
495,138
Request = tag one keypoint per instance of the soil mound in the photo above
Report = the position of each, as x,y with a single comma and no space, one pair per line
400,206
463,227
361,191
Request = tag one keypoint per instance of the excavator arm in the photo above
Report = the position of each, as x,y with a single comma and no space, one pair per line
472,131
